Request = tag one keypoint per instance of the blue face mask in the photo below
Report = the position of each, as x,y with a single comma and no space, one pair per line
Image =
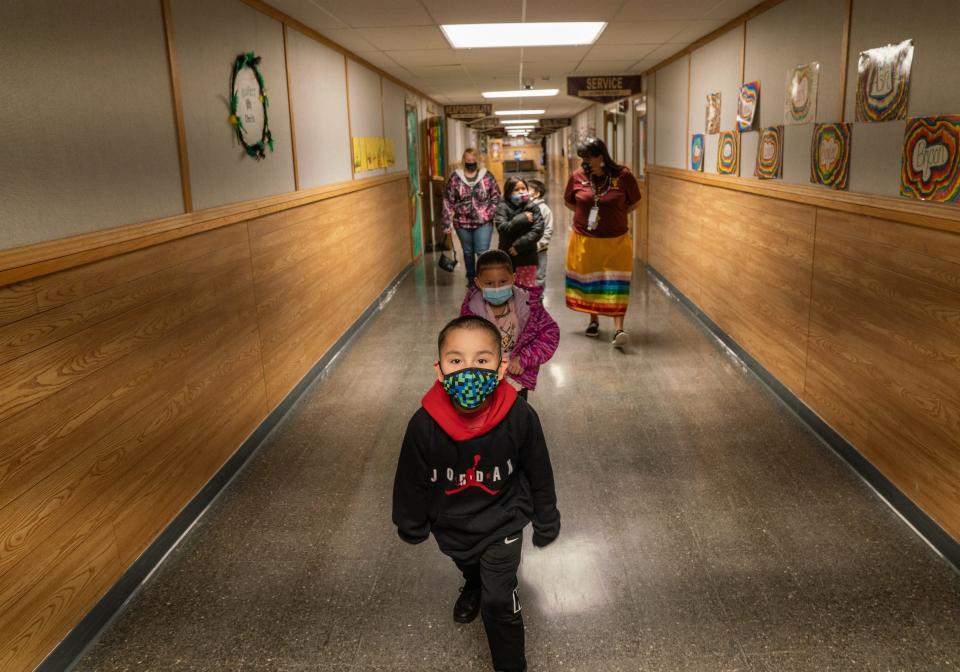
469,388
517,199
498,295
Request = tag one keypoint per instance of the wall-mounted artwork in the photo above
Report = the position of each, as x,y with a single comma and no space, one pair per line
747,106
713,113
770,154
930,168
248,106
696,152
800,105
883,85
830,155
728,154
372,154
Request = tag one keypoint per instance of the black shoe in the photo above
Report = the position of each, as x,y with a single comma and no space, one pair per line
593,330
467,606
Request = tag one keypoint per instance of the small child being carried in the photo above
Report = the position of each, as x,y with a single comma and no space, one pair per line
529,335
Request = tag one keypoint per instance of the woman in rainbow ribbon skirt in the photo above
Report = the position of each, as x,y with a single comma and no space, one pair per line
600,253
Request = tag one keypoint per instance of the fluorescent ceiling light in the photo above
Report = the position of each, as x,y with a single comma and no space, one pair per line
521,93
505,113
557,34
519,121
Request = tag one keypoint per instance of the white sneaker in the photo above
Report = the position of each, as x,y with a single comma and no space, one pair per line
621,339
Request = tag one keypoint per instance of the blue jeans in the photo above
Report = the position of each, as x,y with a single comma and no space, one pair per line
474,242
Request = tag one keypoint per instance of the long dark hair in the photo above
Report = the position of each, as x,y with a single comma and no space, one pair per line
592,147
510,185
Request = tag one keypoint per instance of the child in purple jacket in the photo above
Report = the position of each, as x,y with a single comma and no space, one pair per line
529,335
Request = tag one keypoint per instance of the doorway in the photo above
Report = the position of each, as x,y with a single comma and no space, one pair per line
413,166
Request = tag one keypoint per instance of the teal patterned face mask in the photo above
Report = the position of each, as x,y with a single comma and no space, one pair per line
469,388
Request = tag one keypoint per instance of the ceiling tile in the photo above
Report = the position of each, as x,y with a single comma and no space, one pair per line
424,57
372,13
644,65
541,54
641,32
731,9
665,10
309,14
572,10
552,69
349,38
620,52
486,56
378,58
695,30
665,51
488,11
588,67
405,37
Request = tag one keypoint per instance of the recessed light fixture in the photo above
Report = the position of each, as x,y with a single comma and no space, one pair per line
519,121
507,113
555,34
521,93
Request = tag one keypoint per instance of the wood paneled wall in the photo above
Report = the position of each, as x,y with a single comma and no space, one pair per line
859,316
128,382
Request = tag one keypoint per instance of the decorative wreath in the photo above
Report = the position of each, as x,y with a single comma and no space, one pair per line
258,149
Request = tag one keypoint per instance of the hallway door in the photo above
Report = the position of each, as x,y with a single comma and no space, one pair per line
413,165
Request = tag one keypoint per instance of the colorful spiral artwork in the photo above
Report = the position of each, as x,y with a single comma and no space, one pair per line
747,106
696,152
800,105
883,85
728,153
930,168
770,154
830,155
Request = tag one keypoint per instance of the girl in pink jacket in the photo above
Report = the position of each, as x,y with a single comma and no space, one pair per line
529,335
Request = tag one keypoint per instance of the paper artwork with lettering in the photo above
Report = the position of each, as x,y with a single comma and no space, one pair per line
800,105
883,85
696,152
713,113
770,154
930,167
728,153
830,155
747,106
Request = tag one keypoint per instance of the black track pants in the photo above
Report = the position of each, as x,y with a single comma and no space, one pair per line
496,573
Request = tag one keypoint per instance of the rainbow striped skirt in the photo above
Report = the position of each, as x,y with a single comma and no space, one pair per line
598,274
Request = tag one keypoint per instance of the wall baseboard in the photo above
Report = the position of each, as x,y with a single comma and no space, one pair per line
89,629
935,535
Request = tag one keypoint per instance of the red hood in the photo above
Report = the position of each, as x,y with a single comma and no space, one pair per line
460,426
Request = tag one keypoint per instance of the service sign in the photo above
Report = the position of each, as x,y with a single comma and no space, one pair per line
603,88
477,111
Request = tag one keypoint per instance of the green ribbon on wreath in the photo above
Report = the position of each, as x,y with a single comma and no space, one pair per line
258,149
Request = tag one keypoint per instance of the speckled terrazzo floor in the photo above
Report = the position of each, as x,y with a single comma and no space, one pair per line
704,527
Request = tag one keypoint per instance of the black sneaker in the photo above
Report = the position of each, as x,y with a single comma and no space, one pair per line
593,330
467,606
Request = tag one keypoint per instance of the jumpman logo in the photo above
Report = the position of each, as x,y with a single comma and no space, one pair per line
470,481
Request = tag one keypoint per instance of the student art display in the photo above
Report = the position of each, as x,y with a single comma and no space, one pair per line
930,168
747,106
713,113
830,155
883,84
728,154
248,106
770,154
372,154
800,106
696,152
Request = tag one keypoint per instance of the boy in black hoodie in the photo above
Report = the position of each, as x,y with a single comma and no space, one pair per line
474,470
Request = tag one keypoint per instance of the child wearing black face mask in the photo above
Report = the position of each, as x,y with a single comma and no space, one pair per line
520,226
474,470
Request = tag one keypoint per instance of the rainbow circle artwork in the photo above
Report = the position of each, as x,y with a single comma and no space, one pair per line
930,168
713,113
770,154
696,152
830,155
728,154
883,84
747,106
800,105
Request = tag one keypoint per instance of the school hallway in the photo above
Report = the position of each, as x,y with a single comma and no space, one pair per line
705,527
